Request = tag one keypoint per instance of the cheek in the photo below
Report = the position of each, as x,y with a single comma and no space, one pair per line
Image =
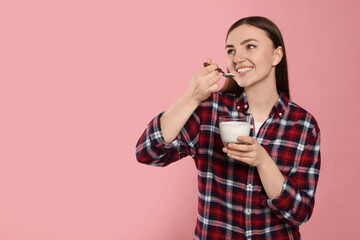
264,61
229,62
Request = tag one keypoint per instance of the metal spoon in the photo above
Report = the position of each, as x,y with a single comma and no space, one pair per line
227,75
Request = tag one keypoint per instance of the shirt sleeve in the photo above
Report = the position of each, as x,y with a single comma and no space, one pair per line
152,149
296,201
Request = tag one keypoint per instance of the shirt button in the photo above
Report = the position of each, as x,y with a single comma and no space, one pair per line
238,107
248,212
249,187
246,106
280,114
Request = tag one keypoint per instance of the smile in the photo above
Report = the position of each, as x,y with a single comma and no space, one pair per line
244,69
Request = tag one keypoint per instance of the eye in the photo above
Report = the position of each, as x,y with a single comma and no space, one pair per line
250,46
230,51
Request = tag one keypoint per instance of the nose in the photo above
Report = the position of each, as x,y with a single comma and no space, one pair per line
240,56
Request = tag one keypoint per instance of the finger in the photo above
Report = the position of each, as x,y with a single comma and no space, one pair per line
213,84
246,160
239,147
211,68
205,71
212,78
214,87
241,153
247,139
236,153
211,74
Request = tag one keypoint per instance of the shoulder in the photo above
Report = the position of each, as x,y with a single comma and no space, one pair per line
303,117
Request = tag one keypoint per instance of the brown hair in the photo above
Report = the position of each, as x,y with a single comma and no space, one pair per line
281,73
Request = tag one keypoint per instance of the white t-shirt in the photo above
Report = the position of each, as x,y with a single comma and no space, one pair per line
257,127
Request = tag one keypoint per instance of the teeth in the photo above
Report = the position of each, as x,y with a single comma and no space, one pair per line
242,70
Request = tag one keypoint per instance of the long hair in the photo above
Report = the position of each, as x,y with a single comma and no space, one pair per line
281,72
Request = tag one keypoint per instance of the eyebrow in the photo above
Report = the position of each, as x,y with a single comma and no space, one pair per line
242,43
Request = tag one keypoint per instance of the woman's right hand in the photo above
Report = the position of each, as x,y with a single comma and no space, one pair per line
204,82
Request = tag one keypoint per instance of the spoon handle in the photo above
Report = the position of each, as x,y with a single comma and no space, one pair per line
218,69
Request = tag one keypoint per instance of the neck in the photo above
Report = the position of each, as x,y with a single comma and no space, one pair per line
261,97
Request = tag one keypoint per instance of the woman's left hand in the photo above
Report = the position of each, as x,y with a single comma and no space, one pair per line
251,153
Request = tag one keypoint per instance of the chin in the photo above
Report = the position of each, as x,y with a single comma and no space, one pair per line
241,83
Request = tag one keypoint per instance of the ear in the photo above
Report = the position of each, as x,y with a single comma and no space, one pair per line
278,55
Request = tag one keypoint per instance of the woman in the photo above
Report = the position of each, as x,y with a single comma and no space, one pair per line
263,189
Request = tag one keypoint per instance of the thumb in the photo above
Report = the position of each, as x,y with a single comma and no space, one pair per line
208,60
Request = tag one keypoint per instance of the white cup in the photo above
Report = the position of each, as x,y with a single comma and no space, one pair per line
233,127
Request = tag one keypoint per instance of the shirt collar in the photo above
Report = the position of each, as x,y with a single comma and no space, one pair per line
279,107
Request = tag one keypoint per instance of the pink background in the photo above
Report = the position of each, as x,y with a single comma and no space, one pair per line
80,80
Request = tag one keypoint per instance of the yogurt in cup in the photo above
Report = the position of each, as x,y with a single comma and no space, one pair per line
233,127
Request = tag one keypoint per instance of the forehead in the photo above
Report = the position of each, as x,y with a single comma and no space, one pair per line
246,31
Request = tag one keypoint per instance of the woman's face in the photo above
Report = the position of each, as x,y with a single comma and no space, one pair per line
251,55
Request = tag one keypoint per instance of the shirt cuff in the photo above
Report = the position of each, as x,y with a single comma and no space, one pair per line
157,137
285,200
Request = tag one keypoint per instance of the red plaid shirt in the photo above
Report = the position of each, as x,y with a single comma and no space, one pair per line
232,203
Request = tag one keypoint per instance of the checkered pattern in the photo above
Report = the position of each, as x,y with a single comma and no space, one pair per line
232,203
